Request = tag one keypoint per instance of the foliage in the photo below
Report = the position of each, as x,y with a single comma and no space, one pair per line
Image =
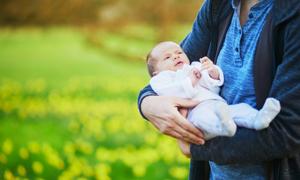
68,109
96,12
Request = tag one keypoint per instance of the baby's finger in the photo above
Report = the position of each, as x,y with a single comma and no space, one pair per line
198,74
207,63
205,59
205,66
211,71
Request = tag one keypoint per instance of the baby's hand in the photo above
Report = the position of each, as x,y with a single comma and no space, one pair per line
195,75
209,66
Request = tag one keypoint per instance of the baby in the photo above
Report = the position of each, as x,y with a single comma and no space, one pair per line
172,75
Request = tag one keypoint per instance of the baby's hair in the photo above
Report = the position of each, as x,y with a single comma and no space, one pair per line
151,61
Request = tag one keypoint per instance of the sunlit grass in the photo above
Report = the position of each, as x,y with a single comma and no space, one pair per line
68,110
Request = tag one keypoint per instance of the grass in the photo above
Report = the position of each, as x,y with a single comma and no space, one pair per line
68,107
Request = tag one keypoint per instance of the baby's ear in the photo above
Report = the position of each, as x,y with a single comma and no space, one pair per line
154,73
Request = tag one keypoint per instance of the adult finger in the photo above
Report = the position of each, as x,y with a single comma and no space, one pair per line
175,134
204,59
186,103
187,129
183,112
179,119
175,131
186,136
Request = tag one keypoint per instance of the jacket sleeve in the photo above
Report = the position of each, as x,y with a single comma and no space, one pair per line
147,91
196,43
282,137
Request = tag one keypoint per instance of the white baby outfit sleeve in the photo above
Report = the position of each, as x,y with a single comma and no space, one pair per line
172,83
208,82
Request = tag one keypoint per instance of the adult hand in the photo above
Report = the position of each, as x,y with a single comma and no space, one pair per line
162,112
185,148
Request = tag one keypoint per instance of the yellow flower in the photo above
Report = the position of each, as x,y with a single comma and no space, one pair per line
23,152
139,170
52,157
102,172
8,175
37,167
34,147
21,170
36,86
74,126
84,147
3,158
7,146
69,148
179,172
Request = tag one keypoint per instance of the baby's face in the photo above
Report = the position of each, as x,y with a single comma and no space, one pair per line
169,56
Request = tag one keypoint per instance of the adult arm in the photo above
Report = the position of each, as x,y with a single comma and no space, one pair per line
282,138
162,112
196,43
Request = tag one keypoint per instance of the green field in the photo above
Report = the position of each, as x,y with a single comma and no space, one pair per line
68,106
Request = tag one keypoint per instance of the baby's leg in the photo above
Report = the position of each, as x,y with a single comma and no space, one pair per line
268,112
206,120
222,110
246,116
212,124
243,115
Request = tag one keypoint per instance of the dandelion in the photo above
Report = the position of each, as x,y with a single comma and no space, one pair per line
139,170
8,175
102,172
21,170
69,149
34,147
105,155
3,158
65,175
74,126
23,152
178,172
52,157
36,86
7,146
37,167
84,147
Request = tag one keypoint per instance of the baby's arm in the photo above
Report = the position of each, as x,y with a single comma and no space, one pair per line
195,76
213,71
212,76
170,83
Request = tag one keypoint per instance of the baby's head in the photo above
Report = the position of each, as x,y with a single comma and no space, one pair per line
166,56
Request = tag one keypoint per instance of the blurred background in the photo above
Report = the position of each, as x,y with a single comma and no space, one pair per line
70,73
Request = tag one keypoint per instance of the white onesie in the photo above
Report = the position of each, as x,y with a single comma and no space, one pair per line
212,115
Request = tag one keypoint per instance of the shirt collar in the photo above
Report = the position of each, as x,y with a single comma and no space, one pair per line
236,5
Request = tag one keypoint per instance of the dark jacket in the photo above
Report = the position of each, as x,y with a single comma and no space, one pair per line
276,74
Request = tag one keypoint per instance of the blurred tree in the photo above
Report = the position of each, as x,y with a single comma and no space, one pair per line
107,12
43,12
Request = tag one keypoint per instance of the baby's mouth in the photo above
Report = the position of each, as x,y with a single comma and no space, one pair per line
179,63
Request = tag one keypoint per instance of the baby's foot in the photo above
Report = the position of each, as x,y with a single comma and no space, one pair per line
268,112
228,125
